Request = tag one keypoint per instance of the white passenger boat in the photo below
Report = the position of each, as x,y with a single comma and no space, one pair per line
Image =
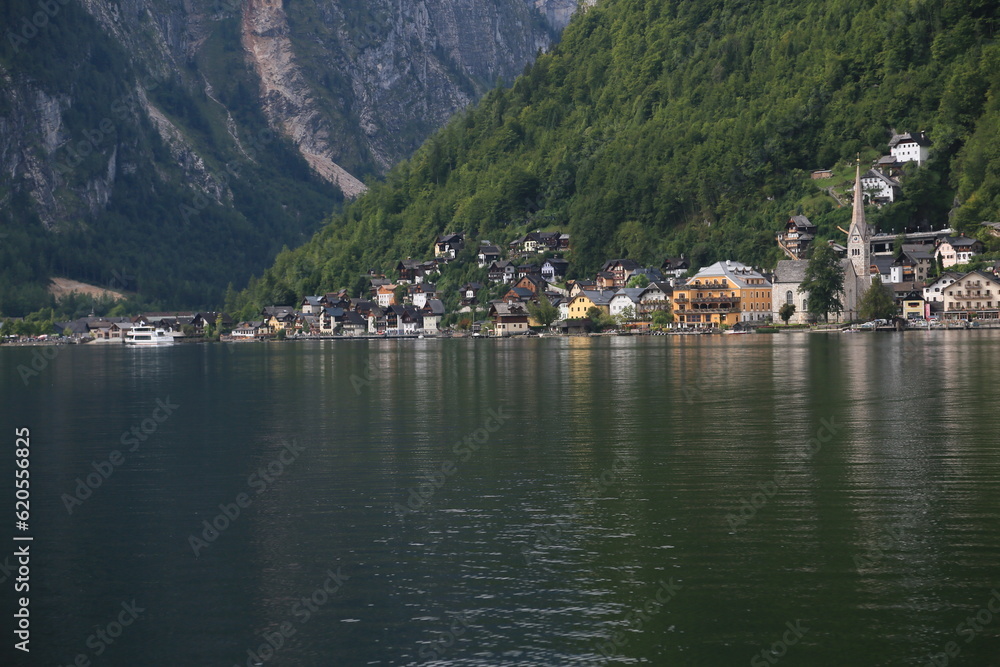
147,336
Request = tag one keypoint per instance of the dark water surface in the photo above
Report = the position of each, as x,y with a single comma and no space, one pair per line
663,501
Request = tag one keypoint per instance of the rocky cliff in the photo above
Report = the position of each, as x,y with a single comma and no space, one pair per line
176,109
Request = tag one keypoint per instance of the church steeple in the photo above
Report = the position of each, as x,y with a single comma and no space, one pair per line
859,236
858,223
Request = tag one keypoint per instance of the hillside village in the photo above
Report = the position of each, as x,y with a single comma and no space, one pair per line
525,287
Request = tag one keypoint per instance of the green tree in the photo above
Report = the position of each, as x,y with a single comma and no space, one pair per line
600,319
877,302
662,318
543,312
824,281
641,280
399,294
786,311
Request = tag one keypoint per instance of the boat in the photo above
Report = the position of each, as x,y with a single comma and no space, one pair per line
146,336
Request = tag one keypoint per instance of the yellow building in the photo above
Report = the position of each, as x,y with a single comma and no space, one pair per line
723,294
584,300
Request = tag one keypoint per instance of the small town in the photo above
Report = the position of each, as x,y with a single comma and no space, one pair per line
525,290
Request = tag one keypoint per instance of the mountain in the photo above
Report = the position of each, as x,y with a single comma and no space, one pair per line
657,127
171,146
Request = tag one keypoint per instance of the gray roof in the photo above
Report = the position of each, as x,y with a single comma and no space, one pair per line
633,293
790,271
916,137
735,271
961,241
435,306
600,297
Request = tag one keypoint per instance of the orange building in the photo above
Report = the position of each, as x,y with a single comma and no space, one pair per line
723,294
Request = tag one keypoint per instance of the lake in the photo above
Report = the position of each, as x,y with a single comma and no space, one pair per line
808,499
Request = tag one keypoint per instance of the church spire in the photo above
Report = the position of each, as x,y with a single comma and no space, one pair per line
859,236
858,224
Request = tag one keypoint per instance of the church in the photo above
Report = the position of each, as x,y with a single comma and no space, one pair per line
790,273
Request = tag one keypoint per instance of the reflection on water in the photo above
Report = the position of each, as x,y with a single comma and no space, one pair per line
843,483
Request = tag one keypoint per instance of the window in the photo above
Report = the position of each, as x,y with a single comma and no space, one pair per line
789,297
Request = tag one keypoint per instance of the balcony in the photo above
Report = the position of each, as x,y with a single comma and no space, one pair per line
732,300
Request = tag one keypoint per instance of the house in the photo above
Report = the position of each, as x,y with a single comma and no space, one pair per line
431,313
509,318
883,267
723,294
605,280
818,174
118,330
487,255
277,318
311,304
788,276
528,270
881,189
533,283
562,304
910,147
469,293
409,270
353,324
651,274
976,295
620,269
307,323
624,299
795,238
518,295
330,319
386,295
419,294
539,242
166,321
934,293
911,304
575,326
580,305
403,319
502,271
575,286
655,297
922,257
250,330
554,270
448,245
675,266
210,319
954,250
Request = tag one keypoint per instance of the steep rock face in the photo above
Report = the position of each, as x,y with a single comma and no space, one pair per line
170,109
388,72
286,96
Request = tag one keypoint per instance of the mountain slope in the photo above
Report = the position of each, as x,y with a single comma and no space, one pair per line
183,142
658,127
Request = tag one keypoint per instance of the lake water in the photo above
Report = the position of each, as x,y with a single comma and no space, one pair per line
821,498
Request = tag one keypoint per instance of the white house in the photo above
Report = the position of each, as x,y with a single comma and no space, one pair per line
934,293
626,297
880,188
957,250
910,147
974,295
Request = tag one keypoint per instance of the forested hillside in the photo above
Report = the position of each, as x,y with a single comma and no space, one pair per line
658,127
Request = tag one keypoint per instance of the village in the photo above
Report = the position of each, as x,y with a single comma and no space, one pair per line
525,290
